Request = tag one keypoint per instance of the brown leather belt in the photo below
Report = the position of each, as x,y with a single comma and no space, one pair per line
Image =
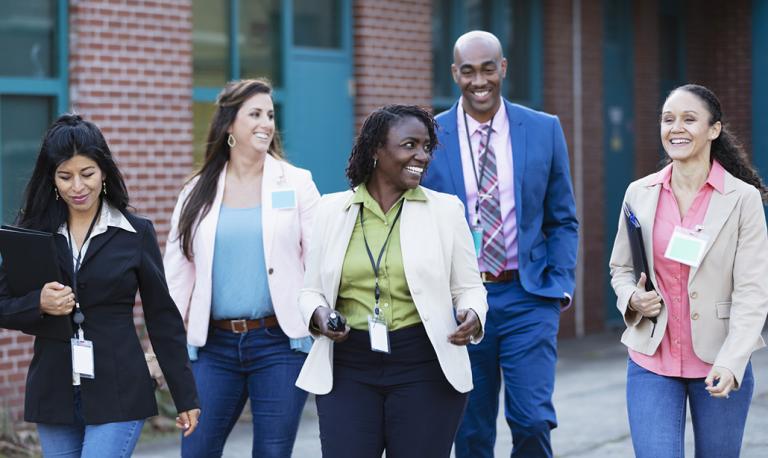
503,277
243,326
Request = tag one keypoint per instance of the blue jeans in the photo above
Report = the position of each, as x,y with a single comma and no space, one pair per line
656,407
520,344
230,369
79,440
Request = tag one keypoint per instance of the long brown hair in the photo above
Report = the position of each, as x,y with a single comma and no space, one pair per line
726,148
198,202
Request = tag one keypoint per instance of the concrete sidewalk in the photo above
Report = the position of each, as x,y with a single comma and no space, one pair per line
589,397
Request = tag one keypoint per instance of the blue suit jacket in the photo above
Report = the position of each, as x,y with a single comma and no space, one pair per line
547,228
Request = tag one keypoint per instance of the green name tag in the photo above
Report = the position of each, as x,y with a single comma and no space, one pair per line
686,247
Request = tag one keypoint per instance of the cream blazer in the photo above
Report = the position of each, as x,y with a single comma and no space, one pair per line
285,236
440,269
728,292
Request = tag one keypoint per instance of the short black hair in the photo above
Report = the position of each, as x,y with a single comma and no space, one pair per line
373,135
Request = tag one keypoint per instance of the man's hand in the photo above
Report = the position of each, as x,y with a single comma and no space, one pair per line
469,327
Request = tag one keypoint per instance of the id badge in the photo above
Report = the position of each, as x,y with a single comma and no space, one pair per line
284,199
686,246
82,358
377,329
477,238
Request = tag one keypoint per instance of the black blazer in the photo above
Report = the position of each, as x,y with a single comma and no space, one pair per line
116,265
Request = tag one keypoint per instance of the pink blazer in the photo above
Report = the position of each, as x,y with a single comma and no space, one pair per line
286,236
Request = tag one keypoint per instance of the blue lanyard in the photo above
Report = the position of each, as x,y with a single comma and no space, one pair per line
478,178
79,318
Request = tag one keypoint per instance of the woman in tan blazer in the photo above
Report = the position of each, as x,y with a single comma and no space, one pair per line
705,239
396,260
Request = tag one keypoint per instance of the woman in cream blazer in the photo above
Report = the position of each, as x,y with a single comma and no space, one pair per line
709,315
235,262
408,396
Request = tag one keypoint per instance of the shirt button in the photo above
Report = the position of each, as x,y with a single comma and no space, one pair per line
694,295
695,316
386,304
426,317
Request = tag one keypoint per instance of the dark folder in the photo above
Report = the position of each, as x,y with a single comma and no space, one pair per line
636,245
29,258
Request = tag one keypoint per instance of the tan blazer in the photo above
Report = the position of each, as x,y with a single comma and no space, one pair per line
728,291
440,269
285,237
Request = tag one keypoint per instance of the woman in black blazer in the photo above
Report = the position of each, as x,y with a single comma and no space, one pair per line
77,192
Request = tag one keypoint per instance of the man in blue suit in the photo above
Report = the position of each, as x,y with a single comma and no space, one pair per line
509,165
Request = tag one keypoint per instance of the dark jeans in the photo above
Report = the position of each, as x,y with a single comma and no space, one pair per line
400,402
656,407
520,345
258,365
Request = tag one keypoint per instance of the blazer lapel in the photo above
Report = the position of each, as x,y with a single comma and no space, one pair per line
65,256
205,237
453,153
517,138
644,206
720,208
338,248
97,243
270,178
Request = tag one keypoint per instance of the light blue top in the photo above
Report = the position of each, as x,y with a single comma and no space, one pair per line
240,287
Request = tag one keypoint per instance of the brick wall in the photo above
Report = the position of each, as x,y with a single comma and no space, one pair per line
393,54
130,73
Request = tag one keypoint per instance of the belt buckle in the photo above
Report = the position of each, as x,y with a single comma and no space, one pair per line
238,326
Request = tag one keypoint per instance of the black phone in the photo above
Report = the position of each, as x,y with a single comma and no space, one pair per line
336,322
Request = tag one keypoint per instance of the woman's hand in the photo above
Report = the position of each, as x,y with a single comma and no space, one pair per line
56,299
320,325
647,303
726,382
469,327
187,421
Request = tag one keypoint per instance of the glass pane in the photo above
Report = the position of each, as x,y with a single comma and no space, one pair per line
516,40
442,48
23,121
202,113
28,32
479,14
259,40
317,23
210,43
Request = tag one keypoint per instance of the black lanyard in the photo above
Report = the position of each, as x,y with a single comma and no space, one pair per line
79,318
375,265
478,178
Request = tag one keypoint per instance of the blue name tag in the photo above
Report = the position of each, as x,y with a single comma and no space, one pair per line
283,199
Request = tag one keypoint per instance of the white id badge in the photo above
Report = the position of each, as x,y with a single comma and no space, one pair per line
82,358
686,246
377,329
284,199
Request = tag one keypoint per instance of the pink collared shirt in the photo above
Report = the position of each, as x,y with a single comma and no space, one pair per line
675,356
502,147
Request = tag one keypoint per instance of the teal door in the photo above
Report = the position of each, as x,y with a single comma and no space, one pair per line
318,120
618,118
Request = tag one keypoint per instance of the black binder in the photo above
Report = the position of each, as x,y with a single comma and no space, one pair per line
639,259
29,259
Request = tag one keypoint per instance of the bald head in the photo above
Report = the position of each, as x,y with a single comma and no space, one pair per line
474,39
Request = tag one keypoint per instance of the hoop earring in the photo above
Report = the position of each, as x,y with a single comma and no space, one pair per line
231,141
104,187
56,191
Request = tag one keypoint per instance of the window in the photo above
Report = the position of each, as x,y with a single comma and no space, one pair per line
33,89
232,39
517,24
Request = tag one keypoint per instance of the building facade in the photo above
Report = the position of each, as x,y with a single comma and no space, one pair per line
147,72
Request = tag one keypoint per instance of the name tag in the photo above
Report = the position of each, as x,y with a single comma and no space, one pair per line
686,246
377,329
82,358
283,199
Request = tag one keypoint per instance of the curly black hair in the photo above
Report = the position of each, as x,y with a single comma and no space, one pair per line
726,148
373,135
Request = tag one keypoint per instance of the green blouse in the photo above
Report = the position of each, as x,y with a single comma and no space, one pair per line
356,291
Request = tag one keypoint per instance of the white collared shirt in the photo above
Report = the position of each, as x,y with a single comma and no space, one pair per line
109,216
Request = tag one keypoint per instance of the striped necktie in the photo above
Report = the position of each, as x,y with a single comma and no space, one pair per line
494,254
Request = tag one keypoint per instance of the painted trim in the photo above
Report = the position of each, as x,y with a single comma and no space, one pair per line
62,101
760,85
234,30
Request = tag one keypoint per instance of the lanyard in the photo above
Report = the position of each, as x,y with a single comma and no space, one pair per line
478,178
79,318
375,265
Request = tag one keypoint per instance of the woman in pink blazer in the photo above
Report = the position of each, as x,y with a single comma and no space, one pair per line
690,337
234,263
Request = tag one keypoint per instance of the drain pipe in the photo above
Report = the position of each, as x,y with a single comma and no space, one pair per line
578,168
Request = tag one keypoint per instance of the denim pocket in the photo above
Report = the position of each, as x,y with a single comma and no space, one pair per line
275,331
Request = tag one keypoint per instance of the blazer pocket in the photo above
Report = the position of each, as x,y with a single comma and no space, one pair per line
723,309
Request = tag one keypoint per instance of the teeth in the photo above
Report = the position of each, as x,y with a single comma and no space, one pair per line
415,170
262,135
679,141
482,93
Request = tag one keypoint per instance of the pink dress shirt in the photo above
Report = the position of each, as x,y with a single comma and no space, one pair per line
675,356
502,147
